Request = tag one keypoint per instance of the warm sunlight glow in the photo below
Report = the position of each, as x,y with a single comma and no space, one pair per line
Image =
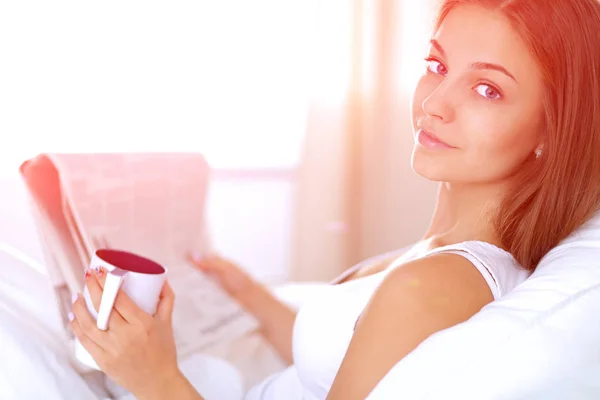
331,41
416,19
368,40
230,78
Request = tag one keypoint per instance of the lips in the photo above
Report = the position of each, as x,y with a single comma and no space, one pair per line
430,140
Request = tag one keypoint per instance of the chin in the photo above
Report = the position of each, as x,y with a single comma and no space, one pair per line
431,167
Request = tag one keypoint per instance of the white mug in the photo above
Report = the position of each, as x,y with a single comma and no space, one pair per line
140,278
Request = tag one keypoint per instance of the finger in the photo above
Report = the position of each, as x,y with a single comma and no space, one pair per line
88,324
203,261
194,256
95,284
100,273
94,288
97,352
196,260
130,311
164,311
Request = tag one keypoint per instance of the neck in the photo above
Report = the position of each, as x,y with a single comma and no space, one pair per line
464,212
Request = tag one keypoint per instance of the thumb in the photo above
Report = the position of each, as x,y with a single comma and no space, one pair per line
200,261
166,302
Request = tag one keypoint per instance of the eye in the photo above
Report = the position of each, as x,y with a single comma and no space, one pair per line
435,66
488,91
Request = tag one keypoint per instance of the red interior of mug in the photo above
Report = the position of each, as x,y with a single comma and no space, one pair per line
129,261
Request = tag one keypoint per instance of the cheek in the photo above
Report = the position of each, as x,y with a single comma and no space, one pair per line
501,149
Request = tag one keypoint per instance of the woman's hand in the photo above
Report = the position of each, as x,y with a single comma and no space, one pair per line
138,350
230,276
276,318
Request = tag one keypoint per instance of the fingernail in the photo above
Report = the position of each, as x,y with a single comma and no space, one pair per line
71,316
197,256
74,298
88,273
99,271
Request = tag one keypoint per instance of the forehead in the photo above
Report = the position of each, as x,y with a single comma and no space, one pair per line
472,33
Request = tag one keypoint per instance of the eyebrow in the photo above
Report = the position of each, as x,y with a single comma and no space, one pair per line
476,65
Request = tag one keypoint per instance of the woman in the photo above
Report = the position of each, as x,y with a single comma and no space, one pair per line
507,118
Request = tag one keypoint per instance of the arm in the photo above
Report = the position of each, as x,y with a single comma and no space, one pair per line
177,387
414,301
276,318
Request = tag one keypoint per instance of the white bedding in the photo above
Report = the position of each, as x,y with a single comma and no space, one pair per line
25,293
212,377
35,361
31,370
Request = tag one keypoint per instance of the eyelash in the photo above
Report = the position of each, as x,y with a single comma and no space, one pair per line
494,88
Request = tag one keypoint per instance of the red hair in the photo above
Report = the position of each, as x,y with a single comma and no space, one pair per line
558,192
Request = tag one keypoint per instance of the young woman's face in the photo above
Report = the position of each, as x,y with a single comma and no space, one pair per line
480,96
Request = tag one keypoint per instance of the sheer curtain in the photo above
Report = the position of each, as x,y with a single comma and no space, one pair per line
357,194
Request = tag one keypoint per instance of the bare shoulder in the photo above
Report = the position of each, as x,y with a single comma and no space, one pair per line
437,279
414,300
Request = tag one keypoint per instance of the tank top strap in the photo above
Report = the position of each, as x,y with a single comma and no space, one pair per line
498,267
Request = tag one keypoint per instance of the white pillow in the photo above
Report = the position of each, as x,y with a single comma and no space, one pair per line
213,378
524,345
17,227
31,370
27,294
35,360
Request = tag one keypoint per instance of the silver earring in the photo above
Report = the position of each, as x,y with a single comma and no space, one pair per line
538,153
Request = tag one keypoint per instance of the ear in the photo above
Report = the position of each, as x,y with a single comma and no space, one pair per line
539,150
540,146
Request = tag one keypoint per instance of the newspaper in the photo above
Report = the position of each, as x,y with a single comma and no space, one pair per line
150,204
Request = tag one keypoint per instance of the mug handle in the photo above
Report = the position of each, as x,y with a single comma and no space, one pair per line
114,280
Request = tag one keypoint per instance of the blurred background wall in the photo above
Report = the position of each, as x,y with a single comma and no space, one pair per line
300,107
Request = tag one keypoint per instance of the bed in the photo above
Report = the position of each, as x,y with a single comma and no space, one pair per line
540,341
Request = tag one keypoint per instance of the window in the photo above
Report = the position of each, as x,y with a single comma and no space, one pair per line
228,78
231,79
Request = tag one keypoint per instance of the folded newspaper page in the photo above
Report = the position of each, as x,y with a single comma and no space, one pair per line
150,204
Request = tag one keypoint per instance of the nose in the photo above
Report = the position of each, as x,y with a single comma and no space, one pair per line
438,104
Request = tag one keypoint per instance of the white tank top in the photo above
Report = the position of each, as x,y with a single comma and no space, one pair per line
324,325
